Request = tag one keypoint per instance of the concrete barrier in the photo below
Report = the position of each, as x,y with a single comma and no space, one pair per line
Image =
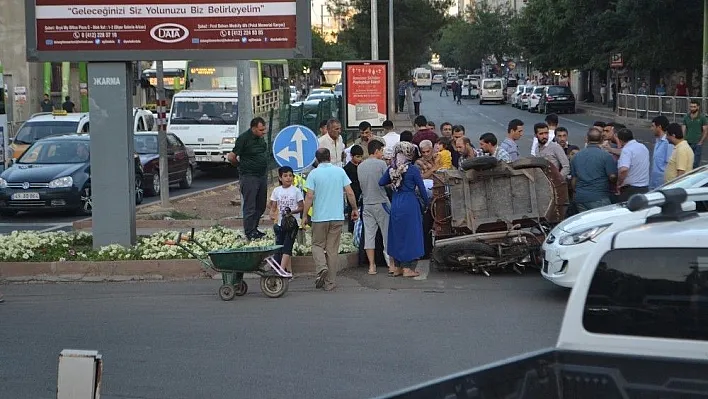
133,270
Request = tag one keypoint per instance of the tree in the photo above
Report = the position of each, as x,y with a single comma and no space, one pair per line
453,46
417,27
489,31
322,51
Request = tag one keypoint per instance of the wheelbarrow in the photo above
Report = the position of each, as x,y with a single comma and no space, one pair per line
233,263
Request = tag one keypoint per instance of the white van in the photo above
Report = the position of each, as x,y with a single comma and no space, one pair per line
207,123
423,78
492,90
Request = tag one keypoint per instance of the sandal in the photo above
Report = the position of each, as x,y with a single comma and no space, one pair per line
414,274
372,272
394,274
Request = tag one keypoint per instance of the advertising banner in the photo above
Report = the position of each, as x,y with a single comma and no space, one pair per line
102,27
365,93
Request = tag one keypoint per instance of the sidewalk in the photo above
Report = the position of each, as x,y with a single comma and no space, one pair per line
401,121
604,112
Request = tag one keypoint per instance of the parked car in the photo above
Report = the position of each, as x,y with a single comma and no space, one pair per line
557,99
470,89
438,79
572,240
321,90
535,97
515,99
492,90
54,174
525,96
178,161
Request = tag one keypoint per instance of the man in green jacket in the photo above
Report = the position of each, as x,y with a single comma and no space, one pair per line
250,154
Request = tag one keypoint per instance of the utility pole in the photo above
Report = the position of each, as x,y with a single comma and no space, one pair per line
375,30
391,70
322,18
162,137
704,81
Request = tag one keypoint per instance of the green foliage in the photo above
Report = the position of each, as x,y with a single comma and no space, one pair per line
417,25
322,51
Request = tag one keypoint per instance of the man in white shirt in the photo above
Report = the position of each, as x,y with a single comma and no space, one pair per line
552,122
634,165
333,142
390,137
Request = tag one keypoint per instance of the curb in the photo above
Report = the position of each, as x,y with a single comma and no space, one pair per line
140,270
88,222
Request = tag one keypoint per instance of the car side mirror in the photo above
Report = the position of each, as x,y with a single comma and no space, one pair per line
12,162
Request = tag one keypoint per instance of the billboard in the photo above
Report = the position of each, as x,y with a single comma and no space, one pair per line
365,92
125,30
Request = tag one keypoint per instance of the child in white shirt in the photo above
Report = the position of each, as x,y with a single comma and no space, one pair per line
284,201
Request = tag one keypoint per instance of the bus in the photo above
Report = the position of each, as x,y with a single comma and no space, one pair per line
173,81
266,75
331,73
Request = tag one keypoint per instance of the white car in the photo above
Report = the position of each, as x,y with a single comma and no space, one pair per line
534,98
524,97
438,79
515,98
571,241
293,94
319,96
321,91
492,90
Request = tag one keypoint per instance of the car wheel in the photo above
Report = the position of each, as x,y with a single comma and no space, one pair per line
86,206
530,162
154,188
481,101
139,192
186,182
479,163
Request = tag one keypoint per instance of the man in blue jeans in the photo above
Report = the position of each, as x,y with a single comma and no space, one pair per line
592,170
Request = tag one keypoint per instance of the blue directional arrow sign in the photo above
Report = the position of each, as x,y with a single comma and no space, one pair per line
295,146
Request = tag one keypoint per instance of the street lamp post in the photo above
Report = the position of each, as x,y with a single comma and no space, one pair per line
375,30
391,69
704,80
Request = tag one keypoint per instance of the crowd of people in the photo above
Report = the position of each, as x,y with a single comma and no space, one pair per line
386,179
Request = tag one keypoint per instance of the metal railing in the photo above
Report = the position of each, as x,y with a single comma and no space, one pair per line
310,115
647,107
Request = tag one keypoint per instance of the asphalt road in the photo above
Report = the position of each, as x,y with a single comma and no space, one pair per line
494,118
372,335
54,221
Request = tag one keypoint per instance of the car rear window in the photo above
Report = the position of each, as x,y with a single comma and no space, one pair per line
657,292
559,90
492,84
33,131
528,89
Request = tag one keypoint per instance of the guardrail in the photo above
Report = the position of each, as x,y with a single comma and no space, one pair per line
647,107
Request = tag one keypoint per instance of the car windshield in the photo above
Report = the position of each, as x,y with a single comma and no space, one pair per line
145,143
559,90
33,131
528,89
204,111
318,97
320,91
56,152
423,75
538,90
492,84
694,179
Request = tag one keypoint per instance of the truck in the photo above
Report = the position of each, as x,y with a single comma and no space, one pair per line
635,325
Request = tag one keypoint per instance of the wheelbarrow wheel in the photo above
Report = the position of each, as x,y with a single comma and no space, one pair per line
274,286
227,292
241,288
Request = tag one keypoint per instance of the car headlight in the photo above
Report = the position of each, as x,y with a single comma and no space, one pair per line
61,182
581,236
228,140
3,183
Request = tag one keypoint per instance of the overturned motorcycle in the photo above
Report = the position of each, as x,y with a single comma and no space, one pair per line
494,216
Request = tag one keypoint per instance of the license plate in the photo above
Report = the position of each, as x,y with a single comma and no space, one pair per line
25,196
204,159
562,98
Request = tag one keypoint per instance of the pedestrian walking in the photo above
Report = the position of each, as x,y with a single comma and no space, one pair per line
286,202
376,207
662,151
603,94
333,142
325,186
514,132
417,99
552,122
443,88
401,95
458,92
592,170
681,160
695,130
405,233
250,154
633,166
550,150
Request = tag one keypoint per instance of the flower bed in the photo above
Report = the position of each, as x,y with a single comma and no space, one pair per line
27,246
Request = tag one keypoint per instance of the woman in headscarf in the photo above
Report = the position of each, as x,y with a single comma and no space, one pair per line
405,227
